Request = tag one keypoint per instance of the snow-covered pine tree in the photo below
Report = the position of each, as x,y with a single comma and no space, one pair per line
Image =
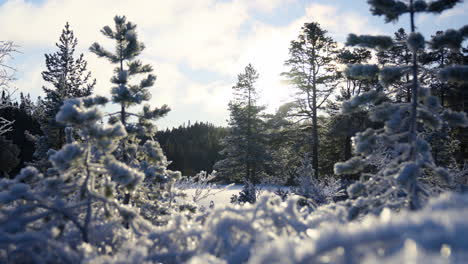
403,121
148,156
69,78
245,145
312,72
81,202
127,49
40,214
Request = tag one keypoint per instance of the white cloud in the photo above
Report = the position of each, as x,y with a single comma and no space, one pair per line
446,17
459,10
266,6
339,23
206,35
30,81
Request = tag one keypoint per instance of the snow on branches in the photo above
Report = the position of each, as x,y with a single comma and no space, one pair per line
411,154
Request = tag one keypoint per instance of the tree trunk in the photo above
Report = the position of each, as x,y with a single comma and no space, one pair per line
123,117
415,202
62,140
347,148
315,141
414,99
249,135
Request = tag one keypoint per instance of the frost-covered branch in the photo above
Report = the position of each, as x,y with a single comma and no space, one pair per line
202,184
5,125
6,71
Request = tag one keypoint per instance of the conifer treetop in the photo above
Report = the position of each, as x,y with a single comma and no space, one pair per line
127,49
68,75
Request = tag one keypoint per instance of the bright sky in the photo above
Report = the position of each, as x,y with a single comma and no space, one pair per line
197,47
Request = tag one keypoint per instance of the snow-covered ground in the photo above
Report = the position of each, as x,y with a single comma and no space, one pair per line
222,193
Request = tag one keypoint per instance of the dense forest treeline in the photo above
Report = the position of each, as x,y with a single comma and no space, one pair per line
193,147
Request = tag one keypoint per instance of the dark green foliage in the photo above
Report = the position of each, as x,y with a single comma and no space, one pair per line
339,128
439,6
366,41
67,74
453,95
9,156
24,115
334,145
192,148
247,195
287,143
451,39
390,9
393,9
444,146
245,144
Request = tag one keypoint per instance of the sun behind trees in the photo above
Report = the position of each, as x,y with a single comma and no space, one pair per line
313,73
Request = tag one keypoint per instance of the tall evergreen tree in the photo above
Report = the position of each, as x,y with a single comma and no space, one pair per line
69,78
127,49
398,54
312,72
448,144
127,95
344,126
244,147
436,58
